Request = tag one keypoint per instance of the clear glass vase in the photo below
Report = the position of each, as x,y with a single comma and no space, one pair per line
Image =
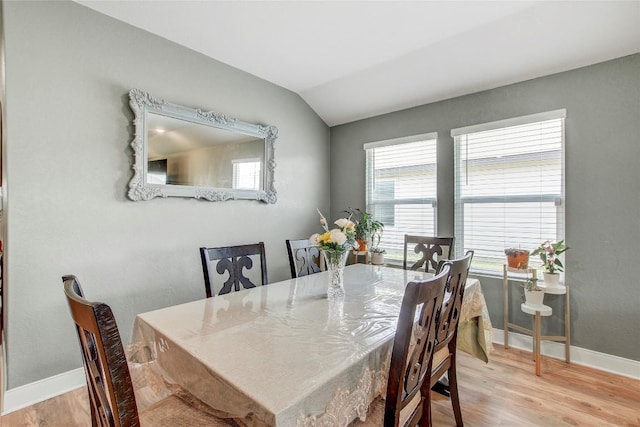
335,266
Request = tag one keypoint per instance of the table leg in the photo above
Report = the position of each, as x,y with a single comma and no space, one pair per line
505,306
534,350
537,342
567,327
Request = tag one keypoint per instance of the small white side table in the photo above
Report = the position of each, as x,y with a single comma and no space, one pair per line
538,311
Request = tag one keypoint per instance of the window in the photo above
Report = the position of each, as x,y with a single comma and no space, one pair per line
246,174
509,186
401,188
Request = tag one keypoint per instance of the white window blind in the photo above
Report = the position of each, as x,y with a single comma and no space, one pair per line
509,187
246,174
401,189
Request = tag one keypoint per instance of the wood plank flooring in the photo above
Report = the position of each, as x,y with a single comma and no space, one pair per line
505,392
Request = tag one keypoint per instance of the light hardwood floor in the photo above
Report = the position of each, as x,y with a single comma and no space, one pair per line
505,392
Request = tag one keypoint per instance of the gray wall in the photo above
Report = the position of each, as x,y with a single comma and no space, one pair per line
602,179
69,70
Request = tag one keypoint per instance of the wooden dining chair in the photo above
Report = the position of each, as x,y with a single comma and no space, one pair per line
433,250
234,260
111,393
304,258
444,358
411,357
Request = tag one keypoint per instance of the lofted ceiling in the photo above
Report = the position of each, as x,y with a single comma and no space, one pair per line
355,59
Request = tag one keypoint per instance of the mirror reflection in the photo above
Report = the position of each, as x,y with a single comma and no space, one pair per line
185,153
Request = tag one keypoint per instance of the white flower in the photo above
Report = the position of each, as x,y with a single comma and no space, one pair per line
314,239
338,236
342,222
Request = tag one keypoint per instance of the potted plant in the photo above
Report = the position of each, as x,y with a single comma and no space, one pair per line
533,295
377,253
549,253
517,258
366,227
377,256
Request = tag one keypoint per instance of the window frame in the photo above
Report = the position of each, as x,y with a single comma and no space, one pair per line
559,201
370,167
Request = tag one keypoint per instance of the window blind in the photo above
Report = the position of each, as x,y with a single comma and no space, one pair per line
246,174
401,189
509,187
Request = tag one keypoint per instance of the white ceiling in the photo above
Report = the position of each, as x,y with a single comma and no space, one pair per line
356,59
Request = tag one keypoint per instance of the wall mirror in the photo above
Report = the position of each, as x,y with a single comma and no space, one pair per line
187,152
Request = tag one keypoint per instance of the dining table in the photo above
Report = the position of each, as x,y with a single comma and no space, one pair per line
285,354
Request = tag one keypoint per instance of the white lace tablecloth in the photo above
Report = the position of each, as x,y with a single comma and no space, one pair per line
281,354
475,332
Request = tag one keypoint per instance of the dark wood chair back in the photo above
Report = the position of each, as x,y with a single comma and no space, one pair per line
433,250
452,302
304,258
412,352
444,360
111,393
113,402
233,260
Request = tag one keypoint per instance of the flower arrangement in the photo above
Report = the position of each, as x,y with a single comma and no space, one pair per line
337,240
549,253
335,245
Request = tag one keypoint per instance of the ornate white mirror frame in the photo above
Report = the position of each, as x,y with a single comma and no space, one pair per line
141,187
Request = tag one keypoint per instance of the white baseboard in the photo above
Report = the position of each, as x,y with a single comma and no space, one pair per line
29,394
579,356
